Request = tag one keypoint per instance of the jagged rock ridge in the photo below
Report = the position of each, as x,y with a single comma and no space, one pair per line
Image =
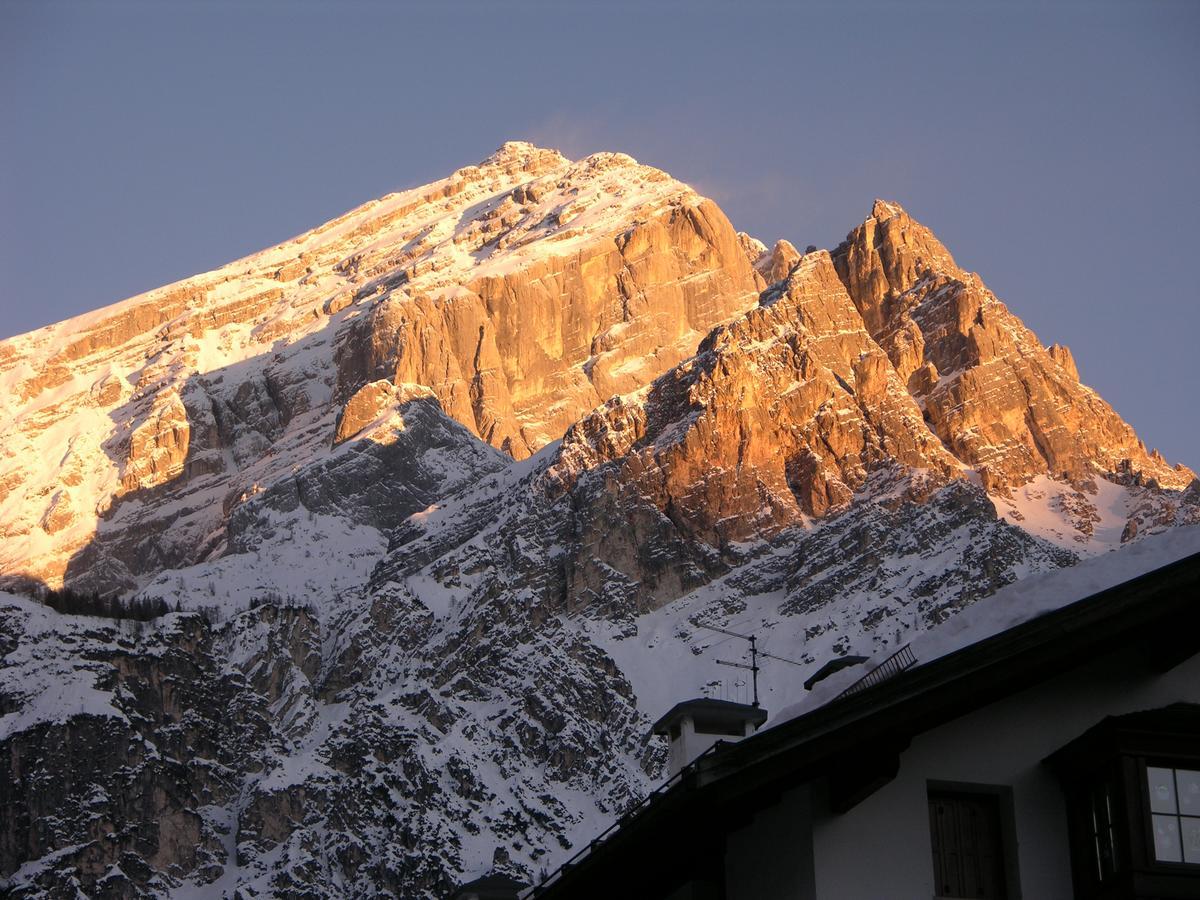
1000,401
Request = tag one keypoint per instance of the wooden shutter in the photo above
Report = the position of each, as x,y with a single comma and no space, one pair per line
968,848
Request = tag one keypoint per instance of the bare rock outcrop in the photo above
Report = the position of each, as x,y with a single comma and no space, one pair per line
776,265
111,791
780,418
372,402
781,414
519,356
998,399
158,447
1062,355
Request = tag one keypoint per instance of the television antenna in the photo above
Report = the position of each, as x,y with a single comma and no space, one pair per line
755,653
753,666
780,658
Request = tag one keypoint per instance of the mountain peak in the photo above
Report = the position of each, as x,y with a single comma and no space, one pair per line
882,210
523,154
522,291
1005,405
775,265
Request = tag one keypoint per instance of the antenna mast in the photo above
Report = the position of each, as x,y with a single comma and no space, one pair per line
753,667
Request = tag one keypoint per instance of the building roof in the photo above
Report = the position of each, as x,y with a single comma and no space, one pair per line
703,707
855,740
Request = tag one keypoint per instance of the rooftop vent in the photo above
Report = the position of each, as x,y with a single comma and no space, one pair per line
834,665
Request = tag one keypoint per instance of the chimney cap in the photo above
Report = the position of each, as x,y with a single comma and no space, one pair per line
721,710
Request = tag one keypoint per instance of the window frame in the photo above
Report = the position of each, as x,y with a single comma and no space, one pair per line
1122,748
1119,773
1110,782
1163,762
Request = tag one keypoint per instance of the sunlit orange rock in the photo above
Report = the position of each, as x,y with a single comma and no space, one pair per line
996,397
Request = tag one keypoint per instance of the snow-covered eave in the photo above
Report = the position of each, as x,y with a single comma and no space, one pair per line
953,677
1015,604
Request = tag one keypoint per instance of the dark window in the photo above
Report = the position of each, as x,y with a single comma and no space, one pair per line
968,844
731,727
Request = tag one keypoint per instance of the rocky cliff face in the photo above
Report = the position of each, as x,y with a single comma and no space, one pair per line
520,292
444,491
1000,401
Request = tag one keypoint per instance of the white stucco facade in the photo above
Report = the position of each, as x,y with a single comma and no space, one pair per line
881,848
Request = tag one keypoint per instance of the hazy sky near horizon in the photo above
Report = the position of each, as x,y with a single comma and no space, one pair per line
1054,147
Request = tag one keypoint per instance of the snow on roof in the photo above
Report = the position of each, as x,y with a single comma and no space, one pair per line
1013,604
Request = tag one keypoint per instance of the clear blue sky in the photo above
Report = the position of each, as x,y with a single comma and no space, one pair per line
1055,147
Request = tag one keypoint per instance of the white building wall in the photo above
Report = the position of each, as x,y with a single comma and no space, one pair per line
880,849
772,856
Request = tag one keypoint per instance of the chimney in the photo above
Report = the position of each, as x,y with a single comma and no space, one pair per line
695,725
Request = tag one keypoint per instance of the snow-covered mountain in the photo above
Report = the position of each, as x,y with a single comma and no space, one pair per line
442,494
